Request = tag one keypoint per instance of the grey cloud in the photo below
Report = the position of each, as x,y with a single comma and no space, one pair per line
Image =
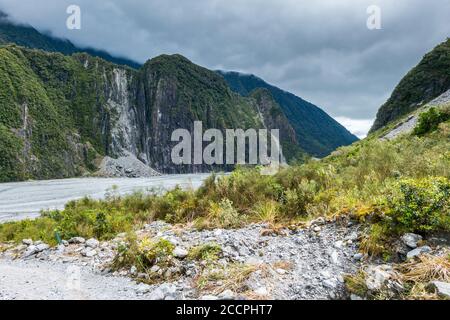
320,50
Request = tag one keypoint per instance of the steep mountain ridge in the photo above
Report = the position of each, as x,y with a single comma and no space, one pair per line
429,79
62,114
317,133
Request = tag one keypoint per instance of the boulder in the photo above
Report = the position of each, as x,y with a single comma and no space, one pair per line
27,242
227,295
77,240
180,253
441,288
411,239
418,251
92,243
30,251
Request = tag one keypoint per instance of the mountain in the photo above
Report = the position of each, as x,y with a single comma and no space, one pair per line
317,133
429,79
62,116
27,36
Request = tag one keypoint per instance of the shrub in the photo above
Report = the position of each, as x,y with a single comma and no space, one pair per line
205,252
421,205
430,120
143,254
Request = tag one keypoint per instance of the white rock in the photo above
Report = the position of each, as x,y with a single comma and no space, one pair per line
262,291
281,271
92,243
339,244
317,229
355,297
88,253
155,269
227,295
30,251
442,288
358,256
133,270
77,240
28,242
418,251
411,239
180,253
143,288
334,257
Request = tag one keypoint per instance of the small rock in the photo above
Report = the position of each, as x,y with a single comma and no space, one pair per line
133,270
155,269
89,253
418,251
358,256
28,242
77,240
317,229
441,288
262,291
65,243
355,297
334,256
30,251
143,288
339,244
92,243
180,253
227,295
411,239
281,271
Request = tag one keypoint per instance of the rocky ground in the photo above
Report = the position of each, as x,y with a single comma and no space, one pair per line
260,263
304,264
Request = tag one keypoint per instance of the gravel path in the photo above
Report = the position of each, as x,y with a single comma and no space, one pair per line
42,280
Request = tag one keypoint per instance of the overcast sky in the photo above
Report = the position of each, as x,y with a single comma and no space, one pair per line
320,50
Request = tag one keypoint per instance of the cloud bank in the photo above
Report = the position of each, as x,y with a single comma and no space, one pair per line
320,50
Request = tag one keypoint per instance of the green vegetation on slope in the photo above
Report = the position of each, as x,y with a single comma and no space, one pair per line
429,79
50,106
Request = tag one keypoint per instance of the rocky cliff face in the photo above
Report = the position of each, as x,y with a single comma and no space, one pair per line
61,115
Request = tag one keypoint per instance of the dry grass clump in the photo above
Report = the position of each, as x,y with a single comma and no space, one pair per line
427,268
